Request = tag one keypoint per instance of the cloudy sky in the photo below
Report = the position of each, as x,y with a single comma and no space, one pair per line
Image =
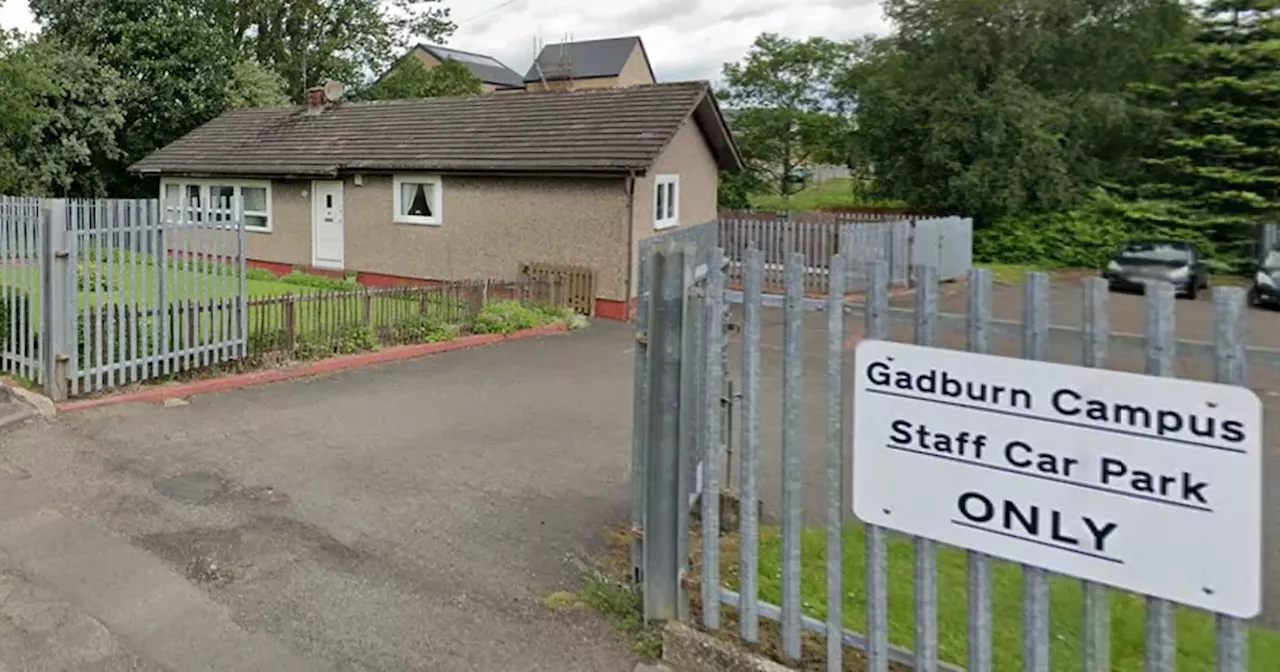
686,39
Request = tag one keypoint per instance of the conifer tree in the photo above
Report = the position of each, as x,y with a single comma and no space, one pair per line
1218,175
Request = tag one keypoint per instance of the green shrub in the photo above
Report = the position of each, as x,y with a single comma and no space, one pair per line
17,304
346,339
260,274
349,339
420,329
506,317
316,282
91,277
1081,238
267,340
552,315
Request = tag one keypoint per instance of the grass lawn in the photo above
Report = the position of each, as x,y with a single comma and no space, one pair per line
834,193
1196,636
317,316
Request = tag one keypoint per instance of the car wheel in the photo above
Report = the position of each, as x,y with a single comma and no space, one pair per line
1253,297
1191,292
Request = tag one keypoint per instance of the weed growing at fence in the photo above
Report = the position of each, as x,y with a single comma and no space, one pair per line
260,274
346,339
1196,634
9,312
91,277
420,329
606,589
301,279
506,317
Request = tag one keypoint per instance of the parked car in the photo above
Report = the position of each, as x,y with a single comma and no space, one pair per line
1172,261
1265,290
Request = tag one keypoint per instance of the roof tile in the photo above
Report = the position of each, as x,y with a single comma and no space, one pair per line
602,130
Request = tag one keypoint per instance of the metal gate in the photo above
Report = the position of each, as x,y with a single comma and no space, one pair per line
682,439
99,294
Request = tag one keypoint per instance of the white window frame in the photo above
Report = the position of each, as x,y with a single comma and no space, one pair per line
437,198
204,185
670,218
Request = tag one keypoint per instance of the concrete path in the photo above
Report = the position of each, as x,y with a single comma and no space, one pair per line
407,517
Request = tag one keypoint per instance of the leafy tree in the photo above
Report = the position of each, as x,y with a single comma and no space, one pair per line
253,85
23,88
173,60
309,41
1218,174
785,112
59,125
996,107
413,79
178,58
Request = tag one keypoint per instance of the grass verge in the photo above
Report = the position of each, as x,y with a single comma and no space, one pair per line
1196,635
836,193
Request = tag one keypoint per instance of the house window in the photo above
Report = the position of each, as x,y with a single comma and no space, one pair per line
666,202
188,200
418,199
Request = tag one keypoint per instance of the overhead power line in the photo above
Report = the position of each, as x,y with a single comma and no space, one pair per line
487,11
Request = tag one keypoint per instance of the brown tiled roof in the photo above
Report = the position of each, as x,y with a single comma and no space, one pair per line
595,131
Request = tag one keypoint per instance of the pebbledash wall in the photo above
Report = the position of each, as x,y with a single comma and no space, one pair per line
493,224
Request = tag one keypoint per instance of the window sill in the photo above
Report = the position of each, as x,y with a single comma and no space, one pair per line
666,224
417,222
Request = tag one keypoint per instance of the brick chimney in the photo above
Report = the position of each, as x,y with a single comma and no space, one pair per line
315,100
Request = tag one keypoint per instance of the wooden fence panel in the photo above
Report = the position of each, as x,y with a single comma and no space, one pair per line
577,284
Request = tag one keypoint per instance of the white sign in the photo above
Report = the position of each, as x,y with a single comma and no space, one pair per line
1149,485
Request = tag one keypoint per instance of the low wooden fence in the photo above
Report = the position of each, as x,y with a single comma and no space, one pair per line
577,282
320,324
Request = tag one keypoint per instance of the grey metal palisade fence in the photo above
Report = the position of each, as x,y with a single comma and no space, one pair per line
681,437
103,293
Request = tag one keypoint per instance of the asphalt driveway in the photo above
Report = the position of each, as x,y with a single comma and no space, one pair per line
404,517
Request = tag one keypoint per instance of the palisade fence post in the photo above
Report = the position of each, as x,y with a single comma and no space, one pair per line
877,559
835,463
749,462
981,615
1160,353
640,414
663,494
1231,366
792,451
1095,638
1035,601
926,565
710,402
56,281
689,416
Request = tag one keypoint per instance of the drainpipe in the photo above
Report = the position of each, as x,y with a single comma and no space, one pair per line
631,240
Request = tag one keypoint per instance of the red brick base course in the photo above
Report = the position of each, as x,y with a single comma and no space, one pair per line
160,393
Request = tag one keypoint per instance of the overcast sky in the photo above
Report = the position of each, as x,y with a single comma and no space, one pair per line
686,39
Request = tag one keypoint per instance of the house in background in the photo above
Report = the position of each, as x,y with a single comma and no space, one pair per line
454,188
590,64
491,72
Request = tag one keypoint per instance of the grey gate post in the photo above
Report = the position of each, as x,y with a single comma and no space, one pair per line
663,473
57,299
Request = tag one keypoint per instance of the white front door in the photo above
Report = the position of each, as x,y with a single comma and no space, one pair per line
327,239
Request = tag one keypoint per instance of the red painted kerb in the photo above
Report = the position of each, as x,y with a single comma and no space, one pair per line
234,382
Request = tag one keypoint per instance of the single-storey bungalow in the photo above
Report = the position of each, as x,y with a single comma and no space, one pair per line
459,188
